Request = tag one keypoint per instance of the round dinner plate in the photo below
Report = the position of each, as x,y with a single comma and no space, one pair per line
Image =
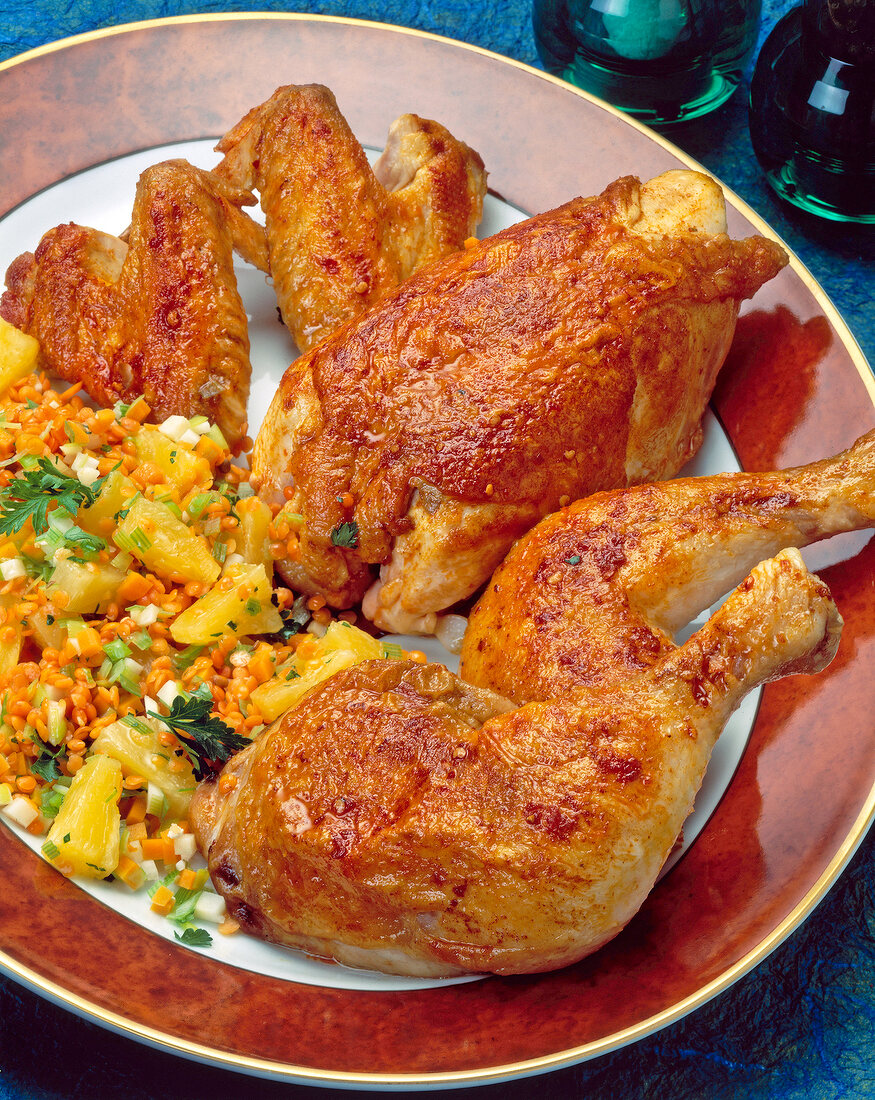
796,387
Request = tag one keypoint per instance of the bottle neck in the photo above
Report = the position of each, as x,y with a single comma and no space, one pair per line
843,29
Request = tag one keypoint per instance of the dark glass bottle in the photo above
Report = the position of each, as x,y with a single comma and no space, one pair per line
662,61
812,109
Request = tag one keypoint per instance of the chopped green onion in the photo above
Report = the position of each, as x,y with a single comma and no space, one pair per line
393,651
140,539
156,803
50,850
188,656
116,650
137,724
220,551
199,505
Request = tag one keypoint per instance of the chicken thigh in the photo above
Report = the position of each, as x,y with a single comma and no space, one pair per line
340,234
596,592
400,819
157,314
570,353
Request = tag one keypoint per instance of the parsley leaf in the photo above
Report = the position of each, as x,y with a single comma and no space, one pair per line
203,737
346,534
195,937
294,620
28,497
46,763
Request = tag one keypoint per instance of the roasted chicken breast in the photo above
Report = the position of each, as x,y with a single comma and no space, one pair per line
570,353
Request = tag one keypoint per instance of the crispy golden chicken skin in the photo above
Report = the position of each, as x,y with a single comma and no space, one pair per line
570,353
340,234
158,314
401,820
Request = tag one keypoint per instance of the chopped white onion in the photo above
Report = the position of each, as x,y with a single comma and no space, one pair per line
174,427
12,568
21,810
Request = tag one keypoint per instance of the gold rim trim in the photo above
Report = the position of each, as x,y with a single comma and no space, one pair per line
573,1055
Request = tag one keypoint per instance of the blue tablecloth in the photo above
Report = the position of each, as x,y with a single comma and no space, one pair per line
801,1025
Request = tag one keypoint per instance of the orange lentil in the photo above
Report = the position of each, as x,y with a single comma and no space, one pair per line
227,783
134,783
74,763
76,745
417,655
26,783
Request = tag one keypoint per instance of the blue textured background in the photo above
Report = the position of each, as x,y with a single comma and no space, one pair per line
801,1025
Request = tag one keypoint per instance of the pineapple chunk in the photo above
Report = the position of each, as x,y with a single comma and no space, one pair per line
140,752
116,493
244,607
90,587
253,542
163,543
10,651
49,635
18,355
341,647
177,461
86,830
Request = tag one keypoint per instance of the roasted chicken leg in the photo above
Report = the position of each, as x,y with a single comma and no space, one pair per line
158,314
596,592
340,234
402,820
570,353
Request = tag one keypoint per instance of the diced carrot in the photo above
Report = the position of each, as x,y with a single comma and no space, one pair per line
137,813
187,879
159,847
133,587
162,901
139,410
210,450
130,873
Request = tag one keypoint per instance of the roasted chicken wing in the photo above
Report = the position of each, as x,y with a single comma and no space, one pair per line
402,820
340,234
157,314
570,353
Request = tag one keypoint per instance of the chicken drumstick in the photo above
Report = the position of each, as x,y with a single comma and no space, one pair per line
596,592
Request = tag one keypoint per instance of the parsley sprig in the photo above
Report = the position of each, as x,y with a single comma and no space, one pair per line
45,765
203,737
29,497
346,534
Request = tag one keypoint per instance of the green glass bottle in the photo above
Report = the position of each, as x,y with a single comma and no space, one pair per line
662,61
812,109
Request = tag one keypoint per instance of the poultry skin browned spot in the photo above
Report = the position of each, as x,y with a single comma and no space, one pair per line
158,314
569,353
340,234
402,820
